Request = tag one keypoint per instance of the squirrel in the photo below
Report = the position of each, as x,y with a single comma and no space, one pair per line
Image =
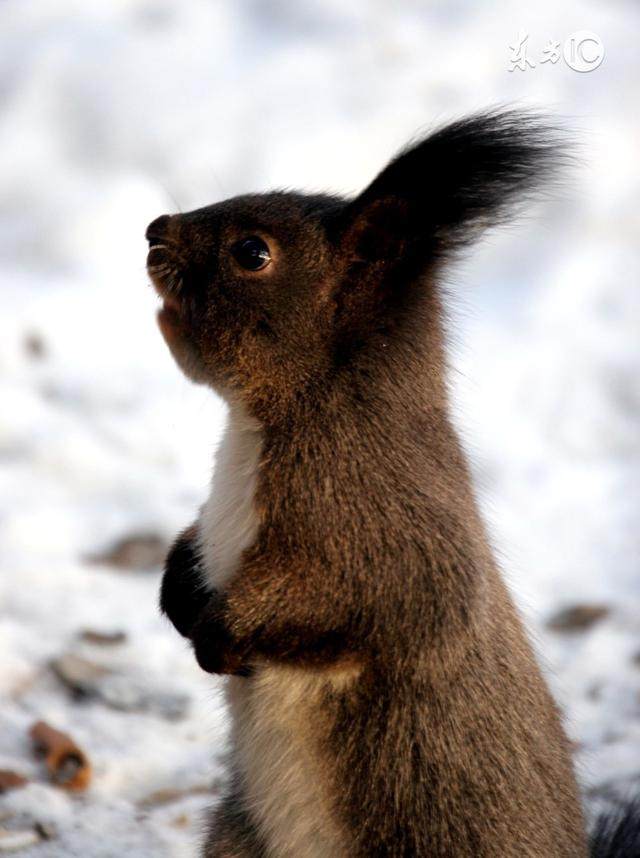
385,700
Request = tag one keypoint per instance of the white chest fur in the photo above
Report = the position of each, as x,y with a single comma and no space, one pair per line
228,520
272,711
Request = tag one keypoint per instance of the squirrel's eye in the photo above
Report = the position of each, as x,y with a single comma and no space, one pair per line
251,253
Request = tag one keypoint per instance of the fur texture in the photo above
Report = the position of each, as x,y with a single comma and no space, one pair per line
385,699
617,833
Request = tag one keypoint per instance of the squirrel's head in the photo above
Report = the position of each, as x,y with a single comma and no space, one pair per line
272,297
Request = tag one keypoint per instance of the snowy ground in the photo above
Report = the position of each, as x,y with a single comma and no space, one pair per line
112,113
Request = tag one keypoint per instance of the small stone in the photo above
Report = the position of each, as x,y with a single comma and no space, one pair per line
595,691
169,795
102,638
45,830
127,695
34,345
172,707
140,551
160,797
11,780
12,841
121,691
80,675
122,694
612,737
577,618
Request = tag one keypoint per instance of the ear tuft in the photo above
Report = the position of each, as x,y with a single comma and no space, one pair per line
439,194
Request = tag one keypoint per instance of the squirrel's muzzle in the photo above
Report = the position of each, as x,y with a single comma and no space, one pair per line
164,263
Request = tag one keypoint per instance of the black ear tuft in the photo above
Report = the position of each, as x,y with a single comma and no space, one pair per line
438,194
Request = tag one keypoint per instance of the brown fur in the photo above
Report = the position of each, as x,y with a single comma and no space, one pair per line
388,702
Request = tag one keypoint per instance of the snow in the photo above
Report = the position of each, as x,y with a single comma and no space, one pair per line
112,113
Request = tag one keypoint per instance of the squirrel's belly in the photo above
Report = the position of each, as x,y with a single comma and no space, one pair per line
278,718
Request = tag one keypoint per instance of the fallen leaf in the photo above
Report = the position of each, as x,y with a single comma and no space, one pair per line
102,638
577,618
11,780
139,551
66,762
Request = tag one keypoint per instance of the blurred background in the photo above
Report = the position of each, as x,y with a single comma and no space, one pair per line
112,113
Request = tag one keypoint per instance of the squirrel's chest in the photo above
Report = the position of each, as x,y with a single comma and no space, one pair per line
228,521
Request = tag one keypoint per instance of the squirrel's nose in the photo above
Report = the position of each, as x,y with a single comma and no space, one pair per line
157,229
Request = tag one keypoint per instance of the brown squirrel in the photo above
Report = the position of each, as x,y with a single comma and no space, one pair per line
384,698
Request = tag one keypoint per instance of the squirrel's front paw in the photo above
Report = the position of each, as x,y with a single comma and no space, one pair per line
215,648
183,595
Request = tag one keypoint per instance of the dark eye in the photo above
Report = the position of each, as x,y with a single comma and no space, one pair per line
251,253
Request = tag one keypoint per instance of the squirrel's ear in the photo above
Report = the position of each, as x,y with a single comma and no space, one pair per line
438,194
